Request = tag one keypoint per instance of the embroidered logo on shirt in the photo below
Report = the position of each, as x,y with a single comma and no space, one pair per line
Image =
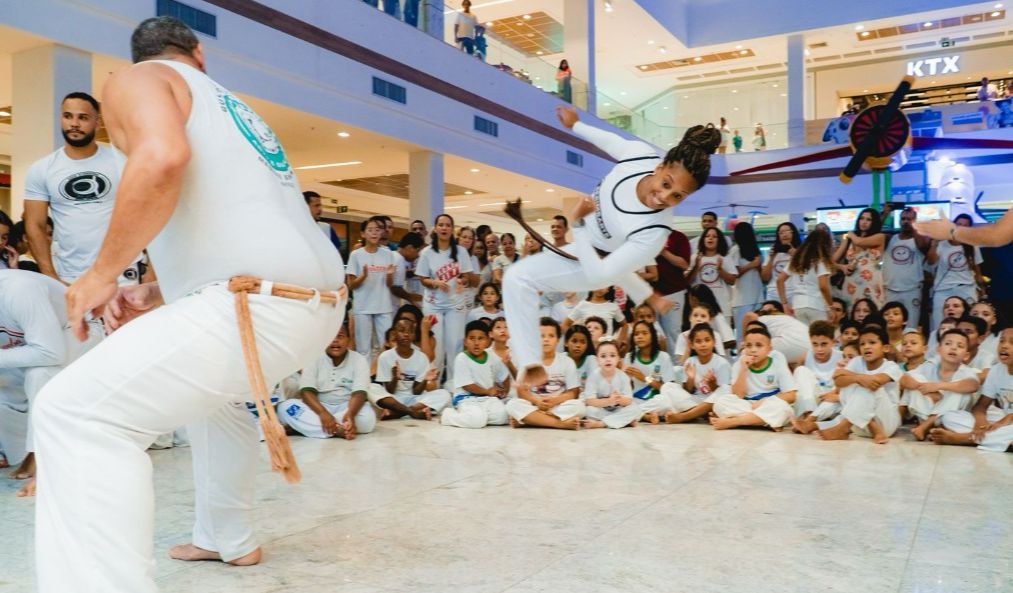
957,261
85,186
257,132
709,273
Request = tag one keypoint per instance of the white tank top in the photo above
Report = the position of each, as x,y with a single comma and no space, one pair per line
240,211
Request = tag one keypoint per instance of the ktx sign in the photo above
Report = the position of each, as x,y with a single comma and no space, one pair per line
931,66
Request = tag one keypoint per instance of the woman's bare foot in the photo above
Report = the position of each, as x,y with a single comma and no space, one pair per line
650,418
838,432
191,553
919,432
592,423
28,490
27,468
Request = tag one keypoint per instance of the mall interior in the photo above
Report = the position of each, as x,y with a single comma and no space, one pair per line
383,109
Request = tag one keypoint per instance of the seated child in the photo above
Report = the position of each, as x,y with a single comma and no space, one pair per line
817,396
481,383
581,351
332,395
944,385
946,324
555,403
500,343
706,374
650,367
868,407
978,358
608,394
562,309
762,390
406,382
848,332
489,299
645,312
700,314
989,424
597,328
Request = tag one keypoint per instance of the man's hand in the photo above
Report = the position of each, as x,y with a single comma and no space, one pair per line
328,423
130,303
89,294
10,255
567,116
934,229
583,207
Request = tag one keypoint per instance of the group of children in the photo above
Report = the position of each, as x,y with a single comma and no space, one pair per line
865,375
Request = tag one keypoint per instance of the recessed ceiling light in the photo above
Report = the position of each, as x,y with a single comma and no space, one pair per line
608,5
468,193
859,27
540,220
996,13
489,24
698,59
927,24
650,42
865,90
324,166
663,49
743,52
735,90
474,170
643,67
933,82
530,35
738,47
539,52
550,190
5,113
343,134
998,5
735,108
606,104
775,85
784,94
865,33
685,96
665,107
623,93
526,17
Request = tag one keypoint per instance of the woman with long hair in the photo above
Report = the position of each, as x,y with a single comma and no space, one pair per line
713,268
466,240
564,86
809,270
749,287
862,250
957,271
507,257
786,241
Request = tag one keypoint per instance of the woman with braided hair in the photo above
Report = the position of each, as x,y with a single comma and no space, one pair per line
620,229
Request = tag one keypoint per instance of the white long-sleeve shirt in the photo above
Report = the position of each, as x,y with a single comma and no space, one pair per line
621,225
32,317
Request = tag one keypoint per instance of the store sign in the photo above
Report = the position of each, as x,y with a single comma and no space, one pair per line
933,66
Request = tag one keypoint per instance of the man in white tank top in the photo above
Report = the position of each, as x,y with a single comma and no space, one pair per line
903,266
204,183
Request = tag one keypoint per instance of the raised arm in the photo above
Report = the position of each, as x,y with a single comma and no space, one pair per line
615,145
987,235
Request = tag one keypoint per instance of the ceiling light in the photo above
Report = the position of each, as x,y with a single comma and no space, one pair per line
775,85
743,52
735,108
539,52
550,190
650,42
489,24
343,134
608,5
859,27
453,207
474,170
927,24
738,47
996,13
526,17
468,193
531,35
998,5
735,90
685,96
606,104
324,166
784,94
663,49
623,93
698,59
865,90
5,113
865,33
643,67
665,107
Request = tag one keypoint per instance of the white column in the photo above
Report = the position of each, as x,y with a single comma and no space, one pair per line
41,77
796,90
425,185
578,48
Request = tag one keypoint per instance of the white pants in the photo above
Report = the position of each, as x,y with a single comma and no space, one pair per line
859,406
476,412
679,399
807,315
998,440
912,299
436,400
738,313
968,292
296,414
773,410
661,403
921,407
618,418
518,408
449,335
366,326
671,322
181,364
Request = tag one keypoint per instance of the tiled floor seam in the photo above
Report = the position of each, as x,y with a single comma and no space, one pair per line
918,523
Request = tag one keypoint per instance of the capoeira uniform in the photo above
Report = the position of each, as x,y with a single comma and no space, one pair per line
450,307
372,301
648,398
813,380
859,406
762,385
709,276
585,368
682,346
954,276
335,386
920,406
682,400
788,335
479,313
35,344
613,416
621,225
998,387
562,377
412,369
471,410
781,262
807,298
903,275
183,363
81,194
609,311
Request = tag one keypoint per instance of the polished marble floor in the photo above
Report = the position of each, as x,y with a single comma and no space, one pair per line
420,507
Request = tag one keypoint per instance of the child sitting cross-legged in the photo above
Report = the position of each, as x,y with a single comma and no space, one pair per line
944,385
554,404
706,374
406,380
763,388
608,393
817,398
481,383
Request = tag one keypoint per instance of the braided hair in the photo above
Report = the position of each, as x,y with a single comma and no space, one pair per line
694,150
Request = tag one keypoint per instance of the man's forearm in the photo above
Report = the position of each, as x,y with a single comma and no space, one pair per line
39,245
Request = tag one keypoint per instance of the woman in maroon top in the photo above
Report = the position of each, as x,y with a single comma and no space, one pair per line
672,263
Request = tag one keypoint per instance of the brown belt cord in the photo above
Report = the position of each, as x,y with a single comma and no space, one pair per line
513,210
282,458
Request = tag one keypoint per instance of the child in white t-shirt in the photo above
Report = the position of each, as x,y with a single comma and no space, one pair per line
580,349
598,304
500,338
608,393
943,385
650,367
712,267
481,383
762,389
489,297
698,315
817,397
556,403
706,374
645,312
370,276
562,309
406,382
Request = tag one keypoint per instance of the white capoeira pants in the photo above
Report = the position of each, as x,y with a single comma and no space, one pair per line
618,418
912,299
449,335
859,406
998,440
773,410
968,292
296,414
475,412
368,325
807,315
436,400
181,364
671,322
681,400
807,398
518,408
922,407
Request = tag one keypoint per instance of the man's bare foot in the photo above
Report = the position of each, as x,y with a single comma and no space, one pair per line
919,432
570,423
880,438
27,468
675,418
837,432
941,436
803,425
722,423
191,553
589,423
28,490
514,423
421,412
650,418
